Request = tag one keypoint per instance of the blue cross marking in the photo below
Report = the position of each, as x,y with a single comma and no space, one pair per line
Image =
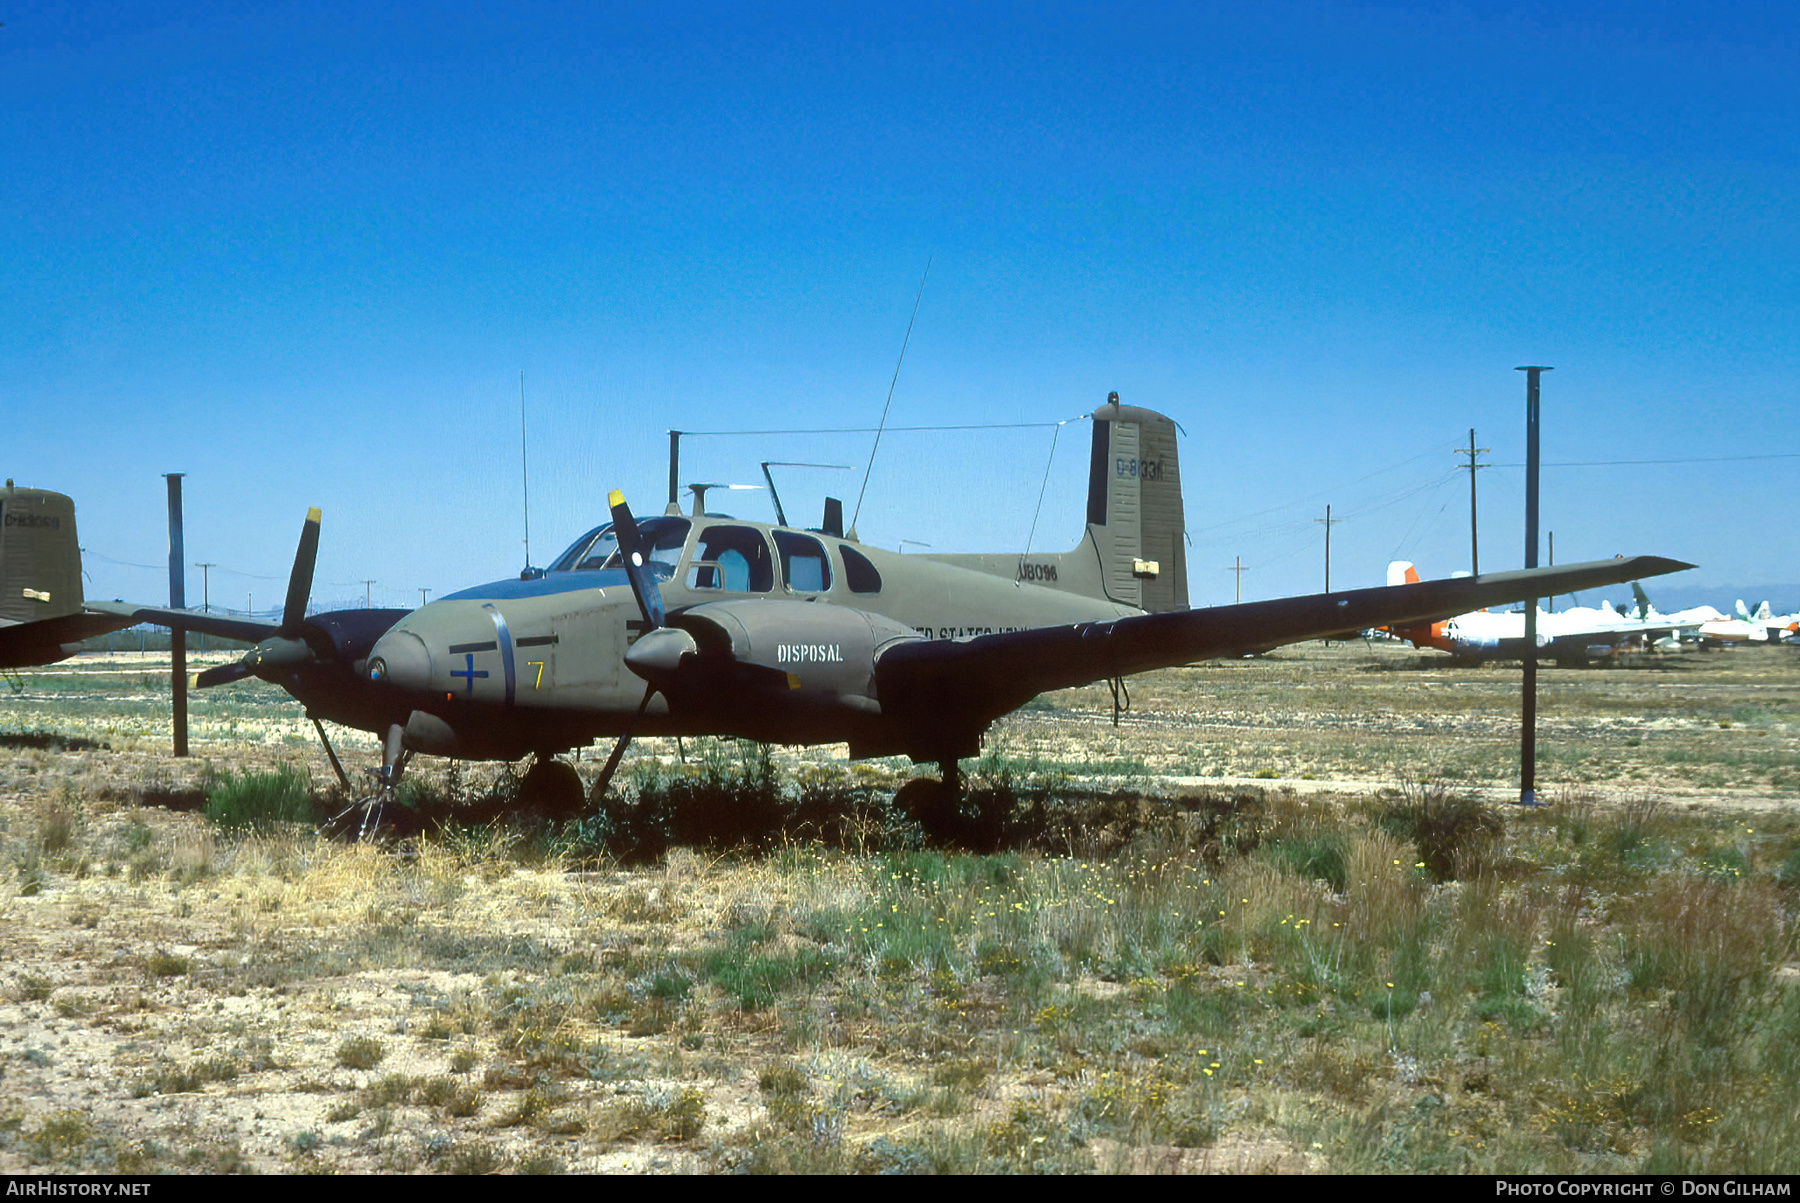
469,672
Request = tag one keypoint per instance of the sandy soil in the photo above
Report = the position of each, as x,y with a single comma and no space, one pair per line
175,1000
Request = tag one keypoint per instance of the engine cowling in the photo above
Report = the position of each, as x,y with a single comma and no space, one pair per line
780,671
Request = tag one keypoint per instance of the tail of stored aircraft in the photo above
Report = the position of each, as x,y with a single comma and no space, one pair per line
40,580
40,559
1402,572
1134,551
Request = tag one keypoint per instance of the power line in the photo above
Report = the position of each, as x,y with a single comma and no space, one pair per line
1699,459
687,434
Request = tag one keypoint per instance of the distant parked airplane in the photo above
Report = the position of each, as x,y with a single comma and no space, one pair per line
1569,637
1758,627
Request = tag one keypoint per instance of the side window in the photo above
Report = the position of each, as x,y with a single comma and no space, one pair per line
804,567
733,558
859,574
666,537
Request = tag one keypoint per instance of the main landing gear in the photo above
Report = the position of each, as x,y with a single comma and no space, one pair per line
935,805
552,788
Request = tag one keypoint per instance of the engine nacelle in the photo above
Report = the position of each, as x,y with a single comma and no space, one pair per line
770,670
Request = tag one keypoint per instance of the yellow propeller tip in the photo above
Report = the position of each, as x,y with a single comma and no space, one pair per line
312,514
616,497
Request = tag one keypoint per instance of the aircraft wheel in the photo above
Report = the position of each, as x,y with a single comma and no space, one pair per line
554,788
923,799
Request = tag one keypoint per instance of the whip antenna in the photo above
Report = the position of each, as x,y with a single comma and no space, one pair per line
524,470
890,397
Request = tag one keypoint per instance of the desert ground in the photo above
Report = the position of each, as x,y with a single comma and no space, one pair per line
180,995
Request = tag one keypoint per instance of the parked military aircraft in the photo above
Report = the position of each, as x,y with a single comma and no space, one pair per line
41,619
1578,635
703,625
1750,626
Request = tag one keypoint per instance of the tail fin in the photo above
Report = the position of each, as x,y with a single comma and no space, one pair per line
1134,512
1402,572
40,557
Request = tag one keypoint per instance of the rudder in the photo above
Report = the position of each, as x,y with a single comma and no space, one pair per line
1135,514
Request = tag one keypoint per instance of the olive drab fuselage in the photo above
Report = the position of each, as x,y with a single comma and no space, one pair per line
547,663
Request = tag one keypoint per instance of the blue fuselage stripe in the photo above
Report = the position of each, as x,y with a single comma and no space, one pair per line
506,647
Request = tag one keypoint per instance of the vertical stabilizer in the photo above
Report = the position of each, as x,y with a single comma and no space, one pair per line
1134,507
40,559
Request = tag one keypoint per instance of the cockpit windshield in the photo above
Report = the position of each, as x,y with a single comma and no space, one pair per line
599,548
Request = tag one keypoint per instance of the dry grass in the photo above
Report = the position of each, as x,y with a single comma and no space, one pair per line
1396,977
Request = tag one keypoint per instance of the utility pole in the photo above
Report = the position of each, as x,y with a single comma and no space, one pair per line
1474,546
1238,567
1528,717
177,601
1329,522
422,593
366,586
205,595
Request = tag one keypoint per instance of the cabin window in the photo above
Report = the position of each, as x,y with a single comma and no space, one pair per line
804,567
599,548
732,558
859,574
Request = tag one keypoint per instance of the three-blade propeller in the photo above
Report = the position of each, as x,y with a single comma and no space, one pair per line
287,648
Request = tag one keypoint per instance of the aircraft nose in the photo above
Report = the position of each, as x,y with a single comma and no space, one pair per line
401,659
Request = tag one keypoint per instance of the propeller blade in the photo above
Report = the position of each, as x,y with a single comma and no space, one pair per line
293,614
637,569
618,753
219,675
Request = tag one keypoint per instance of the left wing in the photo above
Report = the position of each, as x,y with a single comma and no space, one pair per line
943,683
124,614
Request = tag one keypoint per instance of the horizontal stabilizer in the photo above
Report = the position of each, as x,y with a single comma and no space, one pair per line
70,628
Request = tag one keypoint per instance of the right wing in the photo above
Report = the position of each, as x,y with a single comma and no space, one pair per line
946,683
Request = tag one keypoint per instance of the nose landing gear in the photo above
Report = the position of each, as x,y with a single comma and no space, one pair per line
362,819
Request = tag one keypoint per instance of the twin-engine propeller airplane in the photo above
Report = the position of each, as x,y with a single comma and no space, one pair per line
699,624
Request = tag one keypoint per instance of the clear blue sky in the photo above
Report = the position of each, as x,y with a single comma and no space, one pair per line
303,252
